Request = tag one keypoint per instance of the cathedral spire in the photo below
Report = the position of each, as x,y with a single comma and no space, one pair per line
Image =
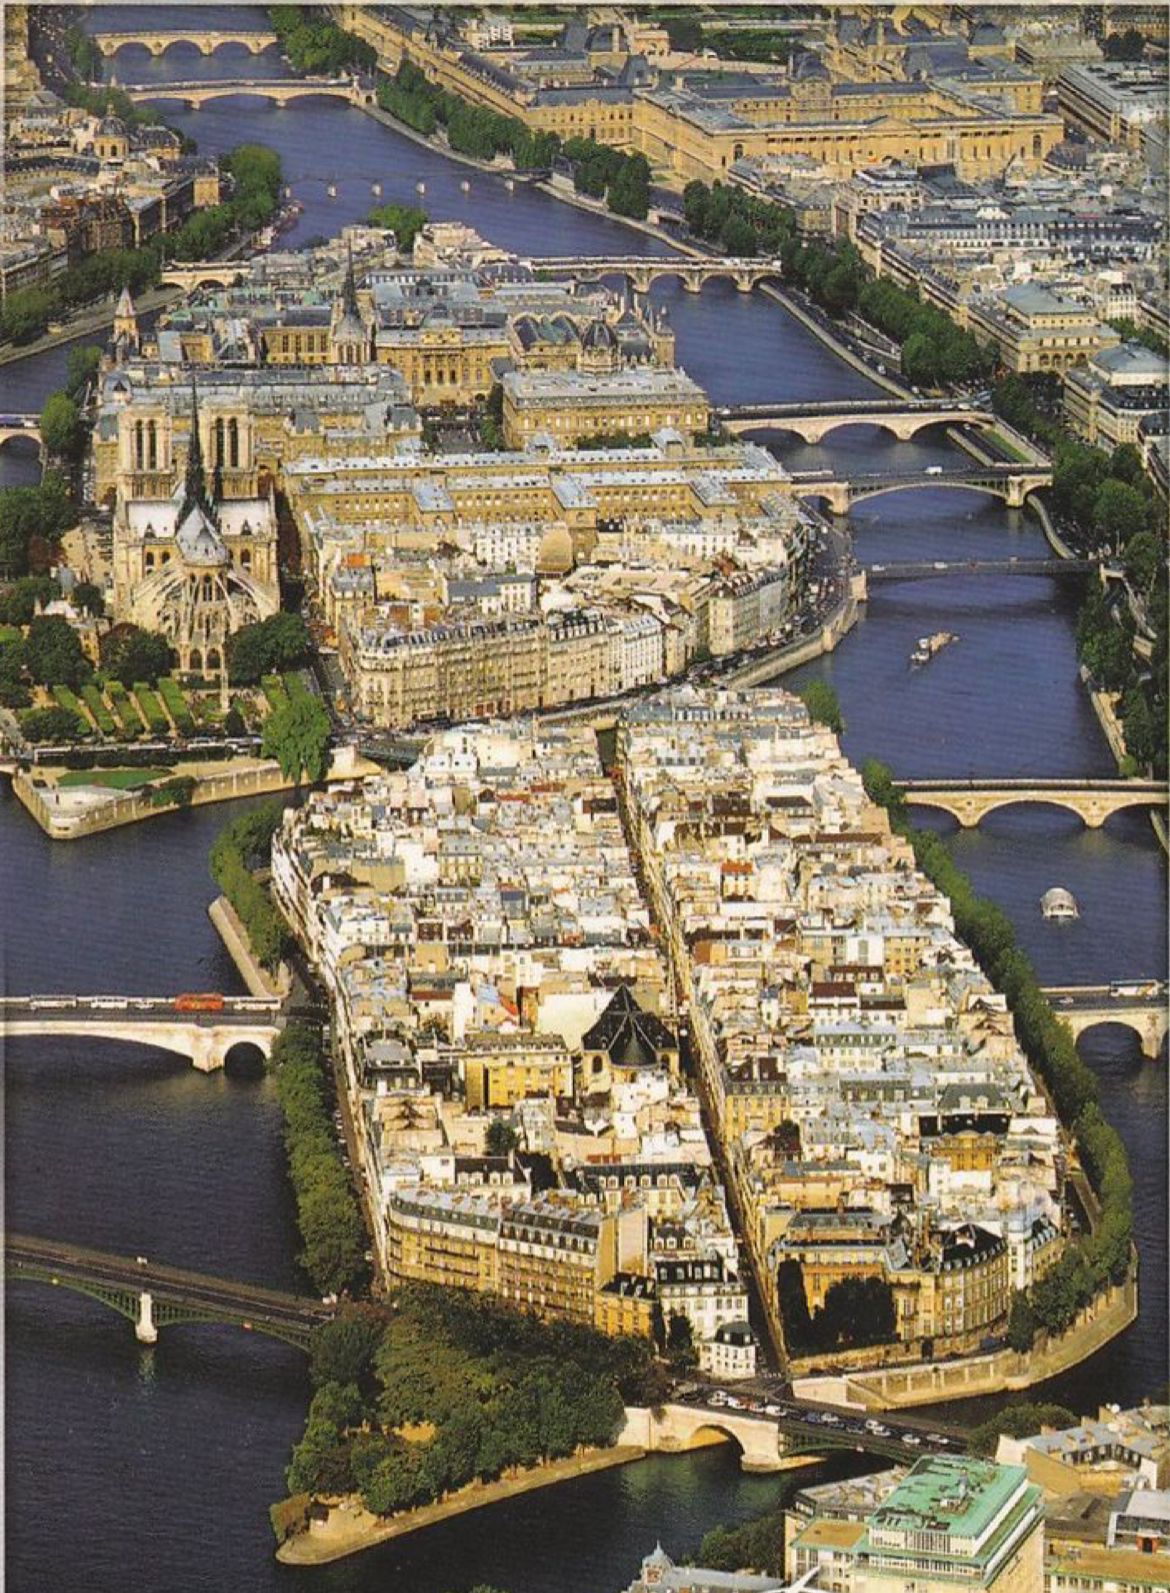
349,303
195,485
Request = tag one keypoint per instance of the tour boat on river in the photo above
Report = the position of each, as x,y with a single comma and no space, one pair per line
928,646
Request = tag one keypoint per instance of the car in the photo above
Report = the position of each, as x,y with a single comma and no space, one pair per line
328,1299
911,1438
773,1410
142,1261
733,1403
933,470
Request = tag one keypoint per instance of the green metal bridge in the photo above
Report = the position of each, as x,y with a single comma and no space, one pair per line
152,1296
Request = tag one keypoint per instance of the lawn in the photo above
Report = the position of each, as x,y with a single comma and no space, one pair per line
102,715
64,698
117,779
125,710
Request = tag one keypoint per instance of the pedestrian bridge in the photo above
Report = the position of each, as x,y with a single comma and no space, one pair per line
205,40
931,569
1136,1004
282,91
1093,801
1012,482
643,269
204,1037
813,422
14,426
153,1296
766,1443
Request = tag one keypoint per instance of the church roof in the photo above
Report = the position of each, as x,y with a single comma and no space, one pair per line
630,1036
199,541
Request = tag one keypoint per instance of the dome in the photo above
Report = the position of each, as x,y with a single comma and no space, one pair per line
598,335
555,556
608,37
112,127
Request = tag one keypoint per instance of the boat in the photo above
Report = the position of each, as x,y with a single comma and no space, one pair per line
1059,903
420,188
510,184
465,186
331,190
376,190
928,646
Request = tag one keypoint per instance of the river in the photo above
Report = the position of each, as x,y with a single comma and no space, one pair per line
155,1467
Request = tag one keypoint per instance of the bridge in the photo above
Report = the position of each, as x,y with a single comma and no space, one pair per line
1013,482
14,426
924,570
1093,801
205,40
643,269
813,422
280,90
153,1296
795,1435
219,274
204,1037
1139,1005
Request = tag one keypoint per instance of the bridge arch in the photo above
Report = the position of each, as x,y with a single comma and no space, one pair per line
244,1059
10,435
1149,1028
989,489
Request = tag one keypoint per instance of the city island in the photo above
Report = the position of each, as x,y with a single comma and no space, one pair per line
592,1051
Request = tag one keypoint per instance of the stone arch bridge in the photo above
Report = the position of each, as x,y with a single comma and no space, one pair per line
1093,801
203,1037
642,270
14,427
1014,483
813,422
219,274
281,91
1085,1007
766,1443
206,40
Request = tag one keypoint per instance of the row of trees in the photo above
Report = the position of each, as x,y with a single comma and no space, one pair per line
255,177
599,171
1018,1421
312,43
447,1388
1105,645
1092,1263
687,33
333,1236
238,850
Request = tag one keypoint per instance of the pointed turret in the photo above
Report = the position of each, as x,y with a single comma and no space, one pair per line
125,324
349,303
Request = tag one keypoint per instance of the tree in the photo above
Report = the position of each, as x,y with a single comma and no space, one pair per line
19,602
824,707
90,600
267,647
793,1301
81,367
320,1462
26,314
857,1311
297,736
501,1137
233,722
1119,512
404,221
1021,1331
53,654
1144,557
61,429
343,1350
680,1346
51,725
131,654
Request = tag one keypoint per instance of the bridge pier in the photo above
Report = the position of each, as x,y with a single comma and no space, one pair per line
144,1329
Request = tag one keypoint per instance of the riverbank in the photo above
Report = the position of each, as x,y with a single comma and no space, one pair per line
75,812
349,1527
93,320
239,948
1003,1372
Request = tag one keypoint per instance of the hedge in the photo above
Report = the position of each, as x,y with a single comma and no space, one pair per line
64,697
148,705
102,715
172,695
125,709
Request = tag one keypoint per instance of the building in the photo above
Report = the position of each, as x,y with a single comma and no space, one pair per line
660,1574
572,406
1107,399
949,1520
1118,102
1034,329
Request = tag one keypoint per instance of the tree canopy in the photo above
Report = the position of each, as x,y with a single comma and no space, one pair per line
130,654
297,736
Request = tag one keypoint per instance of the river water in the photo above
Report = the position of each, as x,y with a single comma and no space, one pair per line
154,1468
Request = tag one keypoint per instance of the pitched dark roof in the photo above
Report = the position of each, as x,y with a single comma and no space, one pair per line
632,1038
